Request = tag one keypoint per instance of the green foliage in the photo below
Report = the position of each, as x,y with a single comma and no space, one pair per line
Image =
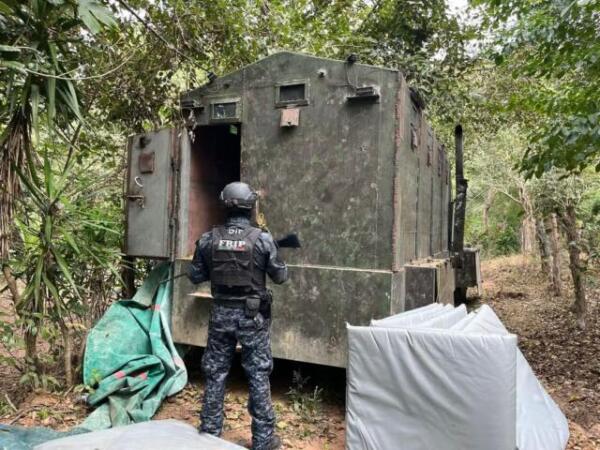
556,191
36,380
428,44
502,236
5,408
77,76
305,402
39,37
505,242
58,227
555,45
67,253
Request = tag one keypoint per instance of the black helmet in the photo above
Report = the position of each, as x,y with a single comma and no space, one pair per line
238,195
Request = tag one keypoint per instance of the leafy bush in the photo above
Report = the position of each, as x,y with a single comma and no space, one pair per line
306,402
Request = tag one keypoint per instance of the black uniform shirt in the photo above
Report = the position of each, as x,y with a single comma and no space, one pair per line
265,255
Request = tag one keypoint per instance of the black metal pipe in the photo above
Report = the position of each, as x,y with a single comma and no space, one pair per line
458,143
460,202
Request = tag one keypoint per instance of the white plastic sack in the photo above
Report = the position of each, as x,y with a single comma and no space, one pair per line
152,435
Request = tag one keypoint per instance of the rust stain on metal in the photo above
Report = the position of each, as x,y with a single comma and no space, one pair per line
290,117
396,197
361,173
146,162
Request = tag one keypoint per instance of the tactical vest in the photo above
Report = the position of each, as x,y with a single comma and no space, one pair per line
233,270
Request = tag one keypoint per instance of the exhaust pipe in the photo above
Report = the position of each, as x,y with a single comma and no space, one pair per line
460,202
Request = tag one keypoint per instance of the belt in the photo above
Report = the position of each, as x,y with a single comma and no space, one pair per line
230,303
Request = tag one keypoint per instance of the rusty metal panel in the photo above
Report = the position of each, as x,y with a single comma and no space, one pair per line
146,162
357,180
410,181
436,200
184,242
420,282
149,193
471,272
308,324
333,169
446,282
424,206
432,192
429,281
446,198
398,244
290,117
190,313
398,292
311,311
442,209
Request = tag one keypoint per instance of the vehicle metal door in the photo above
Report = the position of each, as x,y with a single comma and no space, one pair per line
151,170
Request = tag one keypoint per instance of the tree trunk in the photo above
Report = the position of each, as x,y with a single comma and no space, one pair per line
29,337
489,198
576,264
11,283
528,235
78,371
67,354
528,223
31,348
128,276
552,231
544,246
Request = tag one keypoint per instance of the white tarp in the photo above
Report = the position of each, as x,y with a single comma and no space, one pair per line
462,323
460,382
540,422
151,435
413,317
445,320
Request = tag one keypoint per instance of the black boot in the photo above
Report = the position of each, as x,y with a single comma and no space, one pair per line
275,443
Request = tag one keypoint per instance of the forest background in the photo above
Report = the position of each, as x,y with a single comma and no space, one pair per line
78,76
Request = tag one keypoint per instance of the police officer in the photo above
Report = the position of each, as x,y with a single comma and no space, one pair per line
235,258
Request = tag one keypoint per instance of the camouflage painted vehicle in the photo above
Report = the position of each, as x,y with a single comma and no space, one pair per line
341,154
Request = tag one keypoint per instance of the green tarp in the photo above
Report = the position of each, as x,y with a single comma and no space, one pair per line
130,361
131,353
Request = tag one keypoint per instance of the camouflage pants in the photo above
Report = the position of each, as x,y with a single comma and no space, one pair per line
224,332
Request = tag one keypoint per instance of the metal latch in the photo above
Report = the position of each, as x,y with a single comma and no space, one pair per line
140,198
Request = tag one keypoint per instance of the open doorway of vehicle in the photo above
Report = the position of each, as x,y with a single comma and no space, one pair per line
213,162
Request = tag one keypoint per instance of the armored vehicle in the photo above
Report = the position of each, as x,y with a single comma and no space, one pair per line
340,153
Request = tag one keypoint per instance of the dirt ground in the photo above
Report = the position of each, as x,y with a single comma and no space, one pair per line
312,417
564,358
